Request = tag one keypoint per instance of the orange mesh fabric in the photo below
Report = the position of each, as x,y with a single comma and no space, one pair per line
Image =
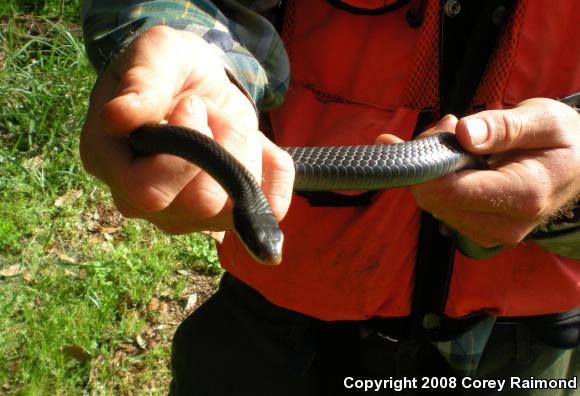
493,83
422,91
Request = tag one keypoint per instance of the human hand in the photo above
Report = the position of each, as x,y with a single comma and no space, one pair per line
173,75
534,171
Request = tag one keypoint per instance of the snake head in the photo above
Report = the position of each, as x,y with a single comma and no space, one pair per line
260,234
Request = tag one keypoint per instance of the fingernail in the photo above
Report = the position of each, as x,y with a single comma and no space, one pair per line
477,129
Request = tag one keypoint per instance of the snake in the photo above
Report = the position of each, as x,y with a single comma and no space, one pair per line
328,168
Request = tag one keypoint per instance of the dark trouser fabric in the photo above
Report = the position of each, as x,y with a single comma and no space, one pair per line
513,351
240,344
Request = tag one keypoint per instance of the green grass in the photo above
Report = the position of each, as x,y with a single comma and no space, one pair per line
88,300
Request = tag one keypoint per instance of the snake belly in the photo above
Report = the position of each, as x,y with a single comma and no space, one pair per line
371,167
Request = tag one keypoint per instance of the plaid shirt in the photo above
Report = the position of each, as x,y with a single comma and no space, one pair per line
253,53
246,42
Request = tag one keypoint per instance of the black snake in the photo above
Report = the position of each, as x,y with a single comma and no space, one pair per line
371,167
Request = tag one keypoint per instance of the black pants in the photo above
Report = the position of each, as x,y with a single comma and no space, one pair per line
240,344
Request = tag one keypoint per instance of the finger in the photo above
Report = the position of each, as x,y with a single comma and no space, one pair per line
153,182
387,138
512,189
233,134
278,180
533,124
203,202
151,72
93,141
191,112
445,124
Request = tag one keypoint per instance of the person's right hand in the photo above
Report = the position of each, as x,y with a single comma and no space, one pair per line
172,75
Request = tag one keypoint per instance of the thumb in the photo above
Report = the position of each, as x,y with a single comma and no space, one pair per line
532,124
151,73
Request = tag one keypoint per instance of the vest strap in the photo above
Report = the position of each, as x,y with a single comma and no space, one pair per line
461,65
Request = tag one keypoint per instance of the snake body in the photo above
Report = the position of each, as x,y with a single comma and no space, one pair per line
369,167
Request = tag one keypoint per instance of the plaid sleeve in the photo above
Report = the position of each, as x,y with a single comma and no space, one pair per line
249,46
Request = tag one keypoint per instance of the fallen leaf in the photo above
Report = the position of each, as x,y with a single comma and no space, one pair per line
183,272
128,348
62,256
27,276
77,353
216,236
153,305
117,360
191,301
108,230
13,270
141,342
68,197
34,162
82,274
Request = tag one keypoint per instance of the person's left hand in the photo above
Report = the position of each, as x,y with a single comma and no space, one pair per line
534,171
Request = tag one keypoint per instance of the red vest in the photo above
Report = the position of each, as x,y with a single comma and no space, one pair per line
350,78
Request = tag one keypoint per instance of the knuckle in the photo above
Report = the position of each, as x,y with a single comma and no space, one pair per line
554,109
448,122
560,118
449,118
534,206
509,128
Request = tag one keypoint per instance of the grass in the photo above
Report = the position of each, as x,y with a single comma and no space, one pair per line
88,300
